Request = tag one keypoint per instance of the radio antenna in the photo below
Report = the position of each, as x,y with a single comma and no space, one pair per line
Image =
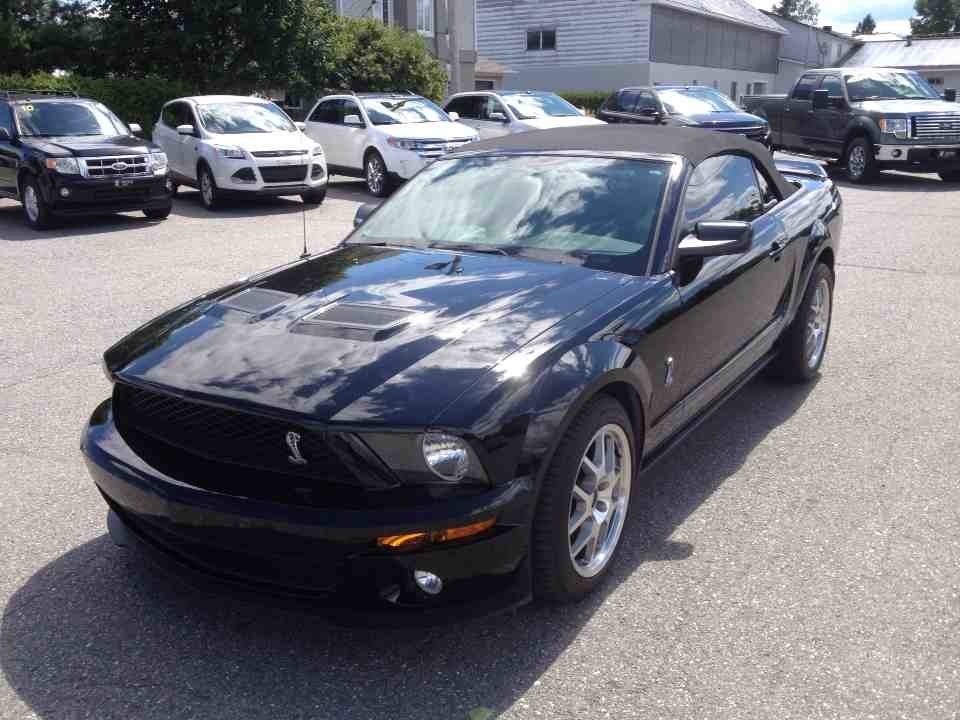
306,253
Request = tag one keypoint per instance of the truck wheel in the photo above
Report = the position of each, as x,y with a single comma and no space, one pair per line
950,176
861,162
35,209
158,213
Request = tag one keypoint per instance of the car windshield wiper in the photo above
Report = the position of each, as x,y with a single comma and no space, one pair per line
473,247
384,243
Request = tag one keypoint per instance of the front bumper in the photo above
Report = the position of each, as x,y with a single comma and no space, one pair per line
97,196
918,158
252,176
314,558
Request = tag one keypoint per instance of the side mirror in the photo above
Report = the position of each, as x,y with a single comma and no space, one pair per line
721,237
498,117
353,120
454,116
301,126
135,128
821,99
950,95
4,134
186,130
363,212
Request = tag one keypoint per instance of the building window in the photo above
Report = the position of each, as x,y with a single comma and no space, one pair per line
759,88
425,17
935,81
733,91
385,11
483,85
541,39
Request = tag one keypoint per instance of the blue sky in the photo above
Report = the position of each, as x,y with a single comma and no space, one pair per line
891,15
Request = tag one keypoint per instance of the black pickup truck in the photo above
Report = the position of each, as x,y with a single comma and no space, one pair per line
62,155
869,119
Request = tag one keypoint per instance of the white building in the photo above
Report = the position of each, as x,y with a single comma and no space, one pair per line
936,57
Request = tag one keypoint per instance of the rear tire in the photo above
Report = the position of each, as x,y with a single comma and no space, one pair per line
804,344
950,176
209,192
314,197
861,161
375,173
36,212
158,213
573,493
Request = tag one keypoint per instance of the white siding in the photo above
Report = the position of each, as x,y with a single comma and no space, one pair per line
589,32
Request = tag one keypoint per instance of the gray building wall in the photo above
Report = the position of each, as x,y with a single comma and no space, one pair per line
807,47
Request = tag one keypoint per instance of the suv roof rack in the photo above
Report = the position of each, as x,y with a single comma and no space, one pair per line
7,94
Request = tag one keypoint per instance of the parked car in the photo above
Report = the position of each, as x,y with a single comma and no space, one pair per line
493,114
231,145
870,119
453,405
384,138
66,156
683,106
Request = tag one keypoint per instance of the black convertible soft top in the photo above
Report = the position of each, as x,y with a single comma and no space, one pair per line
691,143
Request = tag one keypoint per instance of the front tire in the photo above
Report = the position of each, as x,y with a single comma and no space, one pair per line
158,213
375,173
804,343
583,504
209,192
314,197
950,176
36,212
861,161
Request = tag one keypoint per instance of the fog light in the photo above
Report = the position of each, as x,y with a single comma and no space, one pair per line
897,153
428,582
64,192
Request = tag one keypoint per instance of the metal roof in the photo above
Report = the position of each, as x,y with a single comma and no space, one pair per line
918,52
737,11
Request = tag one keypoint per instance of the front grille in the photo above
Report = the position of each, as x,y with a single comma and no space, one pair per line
438,148
937,126
748,131
278,153
116,166
284,173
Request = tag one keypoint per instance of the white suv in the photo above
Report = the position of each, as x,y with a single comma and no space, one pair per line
494,114
383,137
226,144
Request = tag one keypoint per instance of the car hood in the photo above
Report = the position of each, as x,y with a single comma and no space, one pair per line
908,107
430,131
556,122
299,339
257,142
92,146
724,120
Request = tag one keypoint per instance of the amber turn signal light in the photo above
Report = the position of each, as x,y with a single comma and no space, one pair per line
407,541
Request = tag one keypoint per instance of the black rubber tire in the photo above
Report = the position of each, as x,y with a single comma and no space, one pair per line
554,578
158,213
790,365
174,189
314,197
44,219
950,176
215,200
870,162
385,187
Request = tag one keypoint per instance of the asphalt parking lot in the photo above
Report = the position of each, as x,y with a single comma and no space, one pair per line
797,557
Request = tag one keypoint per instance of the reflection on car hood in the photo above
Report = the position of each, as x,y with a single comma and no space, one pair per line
91,146
555,122
457,318
255,142
908,107
430,131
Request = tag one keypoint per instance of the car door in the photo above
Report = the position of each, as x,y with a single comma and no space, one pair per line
8,154
165,135
468,108
325,125
494,120
831,122
189,144
731,304
798,114
354,131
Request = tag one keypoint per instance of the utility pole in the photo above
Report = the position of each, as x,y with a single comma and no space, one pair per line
453,32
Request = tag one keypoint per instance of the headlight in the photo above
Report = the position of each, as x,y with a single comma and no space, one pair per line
447,456
403,143
64,166
234,153
895,126
158,162
317,151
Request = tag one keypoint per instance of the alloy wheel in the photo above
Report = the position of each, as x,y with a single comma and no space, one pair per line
375,175
599,499
818,323
857,162
31,203
206,188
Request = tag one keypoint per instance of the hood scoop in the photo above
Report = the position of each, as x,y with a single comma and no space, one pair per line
251,304
355,321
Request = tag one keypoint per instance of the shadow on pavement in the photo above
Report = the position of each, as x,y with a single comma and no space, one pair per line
893,182
98,633
13,227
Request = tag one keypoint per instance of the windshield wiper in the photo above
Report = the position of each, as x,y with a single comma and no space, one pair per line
472,247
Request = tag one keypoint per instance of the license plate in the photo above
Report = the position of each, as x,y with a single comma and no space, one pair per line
123,183
948,154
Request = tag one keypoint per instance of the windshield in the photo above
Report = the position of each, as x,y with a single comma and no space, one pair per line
561,205
234,118
58,119
696,101
397,111
532,107
888,85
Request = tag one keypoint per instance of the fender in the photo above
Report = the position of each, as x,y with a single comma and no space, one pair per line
862,125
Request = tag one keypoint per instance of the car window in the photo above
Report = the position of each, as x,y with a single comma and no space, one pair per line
530,106
171,115
241,117
328,111
491,105
767,194
831,83
350,107
467,106
695,101
58,118
6,119
646,101
628,100
805,87
722,188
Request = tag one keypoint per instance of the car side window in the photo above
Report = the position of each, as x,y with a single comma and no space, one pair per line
831,83
491,105
806,86
349,107
646,101
628,101
723,187
768,195
327,112
171,116
6,119
467,107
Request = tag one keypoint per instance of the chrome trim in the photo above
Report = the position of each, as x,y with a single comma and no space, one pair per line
944,125
885,152
140,164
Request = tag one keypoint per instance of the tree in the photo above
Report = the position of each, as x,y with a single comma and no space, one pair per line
935,16
807,11
867,26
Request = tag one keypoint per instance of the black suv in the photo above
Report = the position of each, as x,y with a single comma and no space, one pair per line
62,155
683,106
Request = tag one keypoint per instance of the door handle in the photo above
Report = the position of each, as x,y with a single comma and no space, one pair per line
776,249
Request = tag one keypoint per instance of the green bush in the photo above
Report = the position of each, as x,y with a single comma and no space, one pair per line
134,100
589,101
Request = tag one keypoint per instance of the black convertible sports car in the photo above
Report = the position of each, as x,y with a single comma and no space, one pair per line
452,407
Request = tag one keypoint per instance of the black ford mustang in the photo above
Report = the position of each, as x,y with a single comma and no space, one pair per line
451,407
